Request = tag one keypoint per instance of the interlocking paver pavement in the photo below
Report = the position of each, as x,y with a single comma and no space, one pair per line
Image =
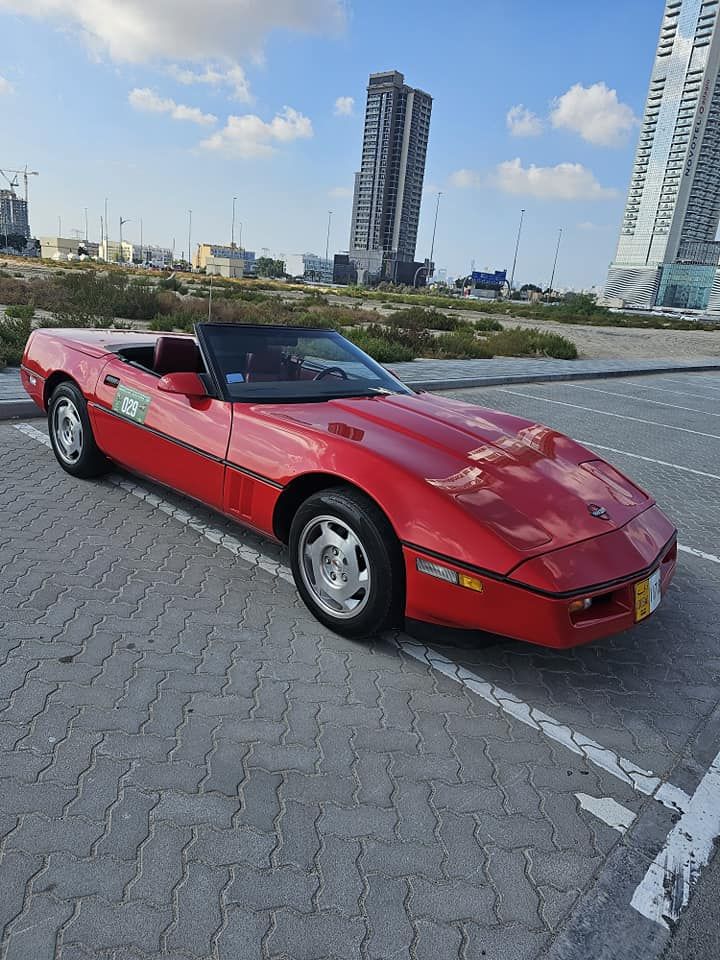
191,766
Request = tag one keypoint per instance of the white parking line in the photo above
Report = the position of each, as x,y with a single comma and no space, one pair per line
606,413
709,385
665,889
611,812
679,393
644,781
636,456
630,396
699,553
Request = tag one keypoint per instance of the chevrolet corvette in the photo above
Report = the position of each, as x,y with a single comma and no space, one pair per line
392,503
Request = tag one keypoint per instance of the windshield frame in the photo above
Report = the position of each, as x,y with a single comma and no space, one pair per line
388,382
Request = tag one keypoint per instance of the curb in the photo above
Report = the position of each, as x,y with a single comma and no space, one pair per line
15,409
464,383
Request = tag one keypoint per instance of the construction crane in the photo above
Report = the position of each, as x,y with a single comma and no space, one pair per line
25,173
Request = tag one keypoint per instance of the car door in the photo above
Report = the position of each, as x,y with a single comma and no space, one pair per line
177,440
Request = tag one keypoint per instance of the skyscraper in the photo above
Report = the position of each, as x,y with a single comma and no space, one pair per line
388,186
13,215
667,253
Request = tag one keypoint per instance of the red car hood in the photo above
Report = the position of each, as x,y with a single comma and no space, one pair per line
536,489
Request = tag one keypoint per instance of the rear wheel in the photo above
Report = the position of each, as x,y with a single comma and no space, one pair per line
346,562
71,434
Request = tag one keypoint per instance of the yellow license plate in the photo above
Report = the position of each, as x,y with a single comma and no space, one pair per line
647,596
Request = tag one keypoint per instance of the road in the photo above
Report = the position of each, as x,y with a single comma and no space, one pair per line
192,767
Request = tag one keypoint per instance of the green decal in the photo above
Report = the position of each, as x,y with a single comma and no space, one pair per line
131,404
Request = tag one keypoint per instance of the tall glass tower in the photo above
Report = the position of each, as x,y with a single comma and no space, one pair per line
388,186
667,253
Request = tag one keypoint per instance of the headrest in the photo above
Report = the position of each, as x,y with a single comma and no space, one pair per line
175,355
265,361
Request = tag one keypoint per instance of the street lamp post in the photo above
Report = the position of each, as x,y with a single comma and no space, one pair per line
419,269
327,238
557,250
189,238
121,255
232,228
517,245
432,244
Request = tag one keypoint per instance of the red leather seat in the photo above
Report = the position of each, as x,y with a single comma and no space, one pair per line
265,365
176,355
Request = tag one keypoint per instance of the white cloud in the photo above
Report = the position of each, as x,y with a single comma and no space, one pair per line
522,122
250,136
5,86
136,31
466,178
232,76
344,106
565,181
148,101
595,113
340,192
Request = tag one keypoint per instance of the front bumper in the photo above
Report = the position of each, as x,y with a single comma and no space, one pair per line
525,611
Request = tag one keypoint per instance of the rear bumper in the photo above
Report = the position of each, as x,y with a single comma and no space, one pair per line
525,612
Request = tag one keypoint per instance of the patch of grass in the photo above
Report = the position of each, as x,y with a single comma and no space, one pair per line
14,332
524,342
462,345
418,318
380,348
20,312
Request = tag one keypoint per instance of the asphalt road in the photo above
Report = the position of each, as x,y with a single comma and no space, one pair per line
191,767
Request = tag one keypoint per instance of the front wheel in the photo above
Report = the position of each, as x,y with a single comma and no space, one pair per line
71,434
347,562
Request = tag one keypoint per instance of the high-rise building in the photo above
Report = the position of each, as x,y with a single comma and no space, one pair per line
13,215
388,186
667,253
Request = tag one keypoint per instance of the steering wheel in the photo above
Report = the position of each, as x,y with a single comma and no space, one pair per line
328,370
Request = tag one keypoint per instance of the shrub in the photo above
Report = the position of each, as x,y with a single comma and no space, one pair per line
380,348
418,318
172,283
20,312
524,342
14,332
462,345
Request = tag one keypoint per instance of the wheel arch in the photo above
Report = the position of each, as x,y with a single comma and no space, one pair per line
304,486
53,381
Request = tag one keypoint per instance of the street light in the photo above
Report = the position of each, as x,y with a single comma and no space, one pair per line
121,256
232,229
557,250
419,269
327,238
432,244
189,236
517,244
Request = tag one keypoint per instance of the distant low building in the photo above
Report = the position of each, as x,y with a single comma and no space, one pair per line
344,271
59,248
310,267
112,252
232,268
221,251
151,255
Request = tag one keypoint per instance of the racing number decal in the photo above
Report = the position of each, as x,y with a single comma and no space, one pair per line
131,404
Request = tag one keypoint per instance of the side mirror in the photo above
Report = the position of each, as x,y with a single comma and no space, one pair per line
187,384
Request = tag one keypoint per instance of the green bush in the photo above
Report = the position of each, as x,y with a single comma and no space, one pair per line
531,342
417,318
462,345
380,348
20,312
14,332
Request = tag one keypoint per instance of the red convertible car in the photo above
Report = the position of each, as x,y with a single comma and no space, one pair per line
391,502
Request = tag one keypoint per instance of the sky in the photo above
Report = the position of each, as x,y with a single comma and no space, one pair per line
173,105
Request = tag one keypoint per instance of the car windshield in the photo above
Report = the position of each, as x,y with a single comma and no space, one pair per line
268,363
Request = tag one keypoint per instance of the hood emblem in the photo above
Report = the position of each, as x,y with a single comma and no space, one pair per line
600,513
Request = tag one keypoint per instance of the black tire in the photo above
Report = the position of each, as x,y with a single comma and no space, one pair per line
71,434
380,602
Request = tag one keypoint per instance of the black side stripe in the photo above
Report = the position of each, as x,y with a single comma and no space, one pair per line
188,446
